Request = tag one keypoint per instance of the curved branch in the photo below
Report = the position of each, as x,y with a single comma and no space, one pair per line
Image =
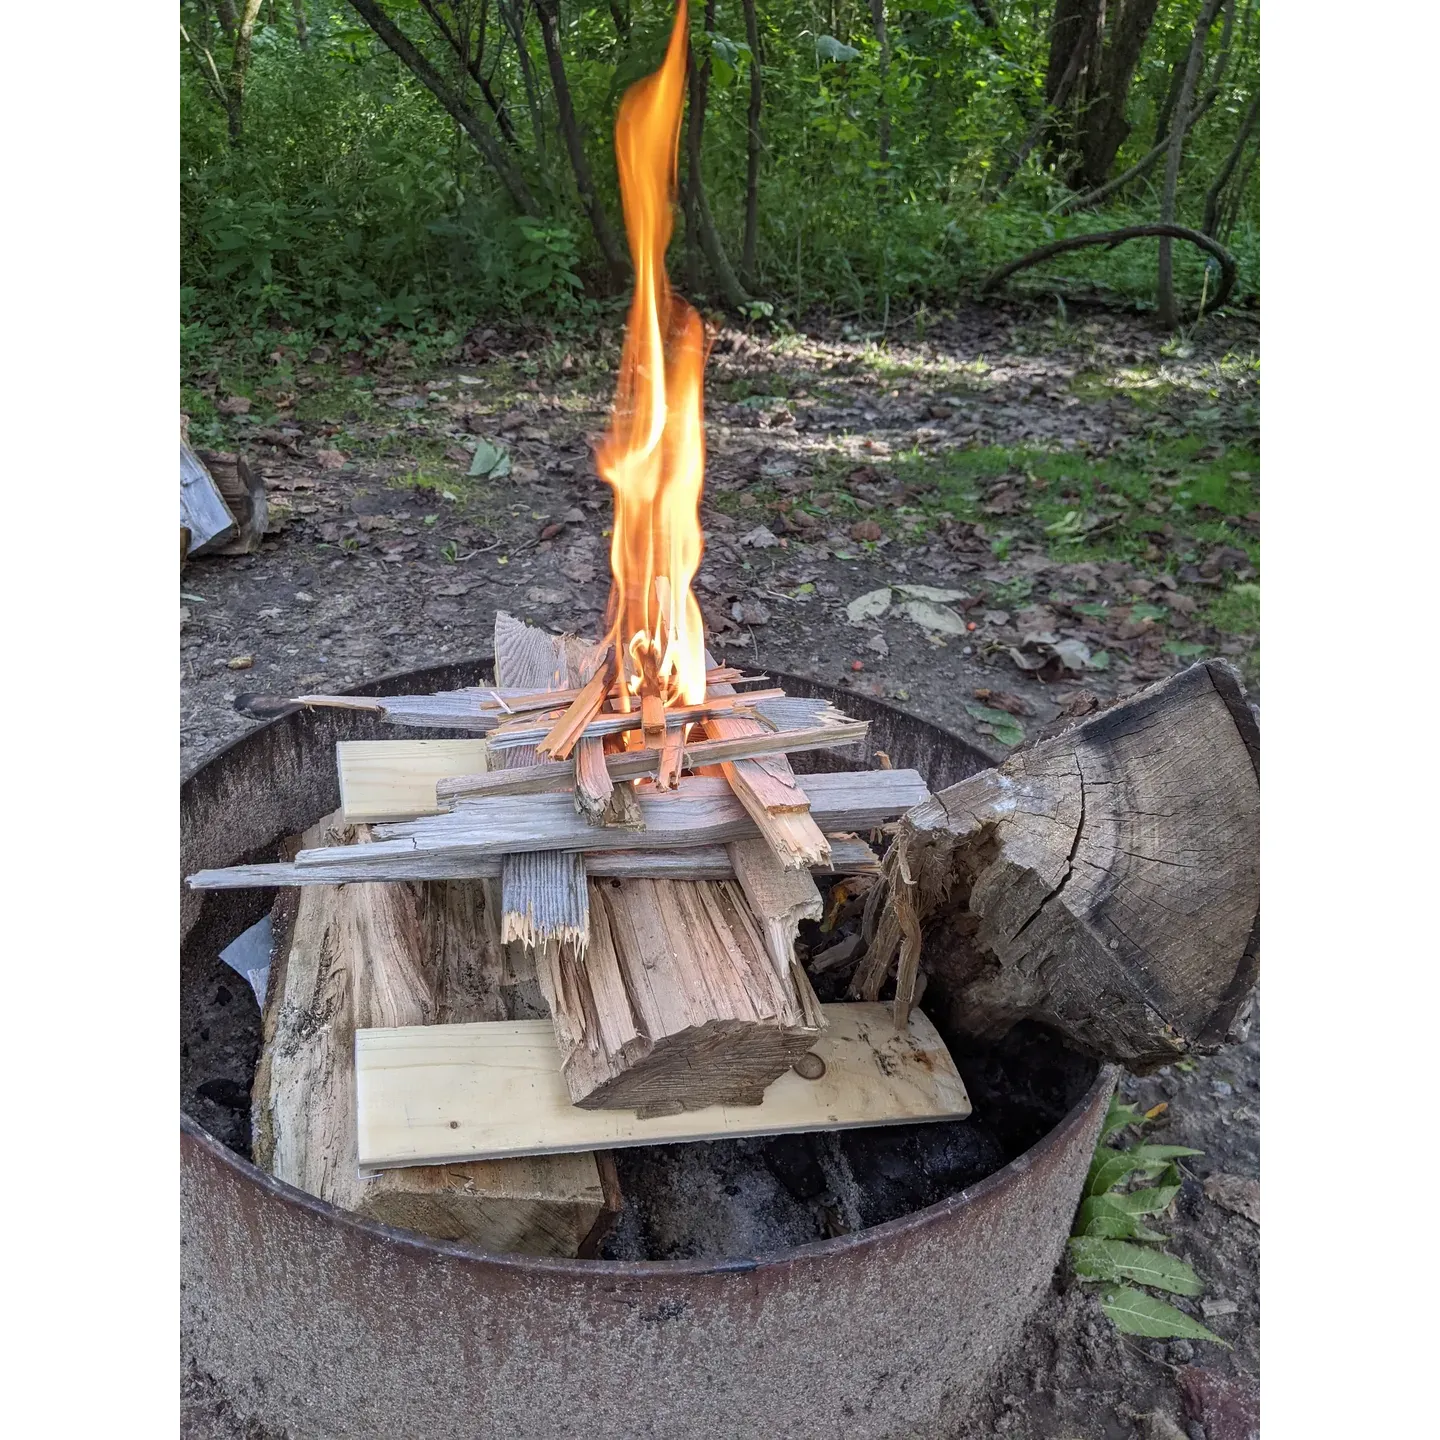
1111,238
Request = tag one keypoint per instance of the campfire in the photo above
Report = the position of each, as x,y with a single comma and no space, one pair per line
573,926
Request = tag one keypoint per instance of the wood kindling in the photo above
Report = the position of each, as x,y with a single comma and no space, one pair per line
570,727
703,810
849,855
632,764
513,734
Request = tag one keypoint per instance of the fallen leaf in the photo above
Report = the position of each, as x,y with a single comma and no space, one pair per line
329,459
878,644
935,619
1004,700
760,538
578,567
1236,1194
240,662
234,405
490,460
865,530
931,592
1073,655
552,530
539,595
997,723
750,612
869,606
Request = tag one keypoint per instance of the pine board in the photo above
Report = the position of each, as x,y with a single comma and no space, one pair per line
396,779
436,1094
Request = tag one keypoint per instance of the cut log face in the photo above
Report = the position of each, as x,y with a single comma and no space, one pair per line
689,1008
353,956
244,493
1104,882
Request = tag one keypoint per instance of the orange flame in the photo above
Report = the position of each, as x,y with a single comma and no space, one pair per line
653,456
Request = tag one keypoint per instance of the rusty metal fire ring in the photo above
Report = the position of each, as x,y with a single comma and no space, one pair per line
308,1322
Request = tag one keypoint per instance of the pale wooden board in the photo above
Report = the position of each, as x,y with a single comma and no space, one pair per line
436,1094
395,779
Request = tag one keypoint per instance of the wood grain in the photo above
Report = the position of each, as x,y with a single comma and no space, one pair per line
1104,882
397,779
354,956
447,1093
849,855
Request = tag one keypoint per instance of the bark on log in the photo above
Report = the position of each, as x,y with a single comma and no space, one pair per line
356,956
244,494
1104,882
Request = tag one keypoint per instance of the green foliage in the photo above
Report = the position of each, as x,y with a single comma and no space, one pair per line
355,207
1111,1243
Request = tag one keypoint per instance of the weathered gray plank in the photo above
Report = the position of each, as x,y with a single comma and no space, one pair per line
203,511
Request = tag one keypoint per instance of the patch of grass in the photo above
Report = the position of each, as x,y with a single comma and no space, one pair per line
1083,507
1236,611
338,397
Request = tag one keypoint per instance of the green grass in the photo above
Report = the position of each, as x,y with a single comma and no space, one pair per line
1236,611
1098,508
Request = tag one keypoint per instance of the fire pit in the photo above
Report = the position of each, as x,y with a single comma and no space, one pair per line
299,1315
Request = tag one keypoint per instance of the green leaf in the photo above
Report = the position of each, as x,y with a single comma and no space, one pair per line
1110,1167
1100,660
1133,1312
1117,1117
1002,725
1090,607
1097,1258
1105,1217
1152,1201
1184,649
1149,612
491,460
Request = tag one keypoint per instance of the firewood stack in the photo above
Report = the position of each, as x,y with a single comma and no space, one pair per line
640,871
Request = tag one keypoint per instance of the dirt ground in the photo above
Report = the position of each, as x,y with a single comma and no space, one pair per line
837,465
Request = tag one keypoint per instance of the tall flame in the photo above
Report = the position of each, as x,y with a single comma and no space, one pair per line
653,456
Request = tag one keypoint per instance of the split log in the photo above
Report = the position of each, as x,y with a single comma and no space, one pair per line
767,788
204,516
450,1092
1104,882
244,493
849,855
397,779
543,899
672,1001
355,956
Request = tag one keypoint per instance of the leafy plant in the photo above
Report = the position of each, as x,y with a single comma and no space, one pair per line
1112,1243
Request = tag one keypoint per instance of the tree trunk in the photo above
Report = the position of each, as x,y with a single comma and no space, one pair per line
1103,127
731,289
302,25
605,237
620,14
1212,198
489,147
1077,33
882,37
754,144
1165,278
239,68
1104,882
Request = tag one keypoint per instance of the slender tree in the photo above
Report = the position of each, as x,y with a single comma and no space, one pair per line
754,146
605,237
1102,127
1210,223
1165,280
882,38
473,124
229,91
731,289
